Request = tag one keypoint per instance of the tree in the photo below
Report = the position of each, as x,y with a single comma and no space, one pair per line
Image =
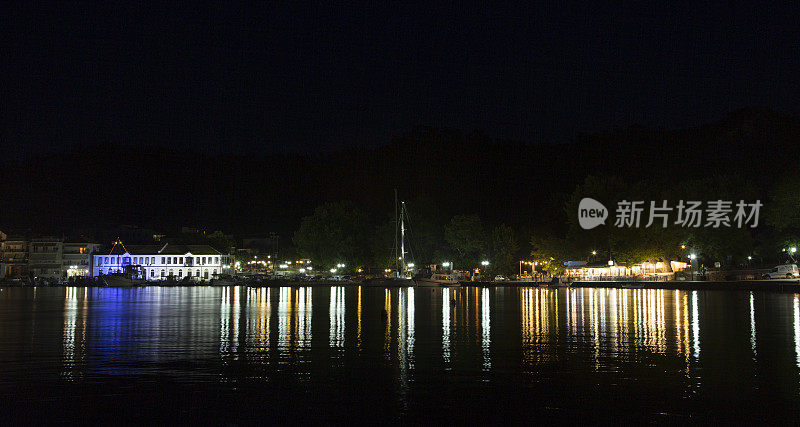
505,248
335,233
464,234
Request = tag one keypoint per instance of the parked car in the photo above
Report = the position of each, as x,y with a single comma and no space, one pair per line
784,271
499,278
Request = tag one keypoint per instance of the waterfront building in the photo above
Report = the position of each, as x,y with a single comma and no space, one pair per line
581,270
77,258
159,262
45,258
13,258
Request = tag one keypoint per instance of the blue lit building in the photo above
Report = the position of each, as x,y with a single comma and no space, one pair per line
159,262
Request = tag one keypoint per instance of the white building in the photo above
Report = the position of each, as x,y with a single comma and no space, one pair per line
197,262
44,258
77,258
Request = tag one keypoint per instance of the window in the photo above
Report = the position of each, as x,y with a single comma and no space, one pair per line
204,260
169,260
100,261
162,272
216,260
106,260
205,274
180,273
162,260
188,273
180,260
198,273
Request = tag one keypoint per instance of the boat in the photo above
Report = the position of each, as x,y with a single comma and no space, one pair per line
439,279
402,275
129,278
223,280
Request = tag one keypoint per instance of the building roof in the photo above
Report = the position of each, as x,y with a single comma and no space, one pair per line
165,249
184,249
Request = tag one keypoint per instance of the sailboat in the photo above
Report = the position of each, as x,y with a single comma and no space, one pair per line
402,275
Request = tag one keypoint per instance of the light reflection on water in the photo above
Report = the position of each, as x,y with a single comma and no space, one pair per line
681,338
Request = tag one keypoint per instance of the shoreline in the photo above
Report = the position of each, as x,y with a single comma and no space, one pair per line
745,285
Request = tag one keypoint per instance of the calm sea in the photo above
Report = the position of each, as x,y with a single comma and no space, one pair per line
341,355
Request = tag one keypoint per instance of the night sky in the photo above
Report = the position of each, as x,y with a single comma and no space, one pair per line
316,77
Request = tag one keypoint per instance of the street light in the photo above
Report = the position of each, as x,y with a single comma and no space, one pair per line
484,263
411,265
691,264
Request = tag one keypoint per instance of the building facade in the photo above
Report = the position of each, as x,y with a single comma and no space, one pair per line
45,258
152,262
77,259
13,258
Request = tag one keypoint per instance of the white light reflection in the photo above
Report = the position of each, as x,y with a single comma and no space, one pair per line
485,330
797,329
72,345
410,324
752,326
446,326
284,317
304,317
337,310
695,326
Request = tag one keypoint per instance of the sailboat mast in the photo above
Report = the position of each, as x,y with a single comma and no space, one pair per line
396,266
403,236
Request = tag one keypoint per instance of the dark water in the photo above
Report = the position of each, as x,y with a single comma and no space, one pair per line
501,355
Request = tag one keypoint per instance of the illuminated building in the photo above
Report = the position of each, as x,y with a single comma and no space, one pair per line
77,258
597,270
156,262
13,258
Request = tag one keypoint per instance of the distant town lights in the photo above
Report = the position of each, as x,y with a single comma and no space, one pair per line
692,256
333,270
793,249
339,265
410,265
283,266
446,264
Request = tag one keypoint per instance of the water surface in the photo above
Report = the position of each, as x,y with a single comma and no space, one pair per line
461,355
